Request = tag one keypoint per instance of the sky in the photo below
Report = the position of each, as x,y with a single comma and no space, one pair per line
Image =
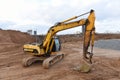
40,15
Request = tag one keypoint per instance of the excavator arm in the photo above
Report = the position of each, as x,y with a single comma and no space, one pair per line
88,35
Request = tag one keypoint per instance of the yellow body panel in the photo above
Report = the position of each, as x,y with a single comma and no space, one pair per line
30,48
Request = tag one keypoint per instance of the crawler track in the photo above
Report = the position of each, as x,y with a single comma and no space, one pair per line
47,62
52,60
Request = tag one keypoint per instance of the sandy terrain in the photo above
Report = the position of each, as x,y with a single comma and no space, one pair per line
106,63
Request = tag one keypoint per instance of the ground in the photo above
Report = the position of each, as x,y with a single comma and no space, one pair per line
106,64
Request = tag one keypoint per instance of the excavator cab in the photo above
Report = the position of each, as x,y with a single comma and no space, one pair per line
56,44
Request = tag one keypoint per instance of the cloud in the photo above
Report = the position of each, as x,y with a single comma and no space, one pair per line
108,25
46,13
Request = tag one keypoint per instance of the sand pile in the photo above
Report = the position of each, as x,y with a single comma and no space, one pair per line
10,36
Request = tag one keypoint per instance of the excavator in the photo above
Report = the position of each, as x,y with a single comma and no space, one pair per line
49,50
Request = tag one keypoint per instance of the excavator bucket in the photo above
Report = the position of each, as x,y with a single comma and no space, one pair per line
84,67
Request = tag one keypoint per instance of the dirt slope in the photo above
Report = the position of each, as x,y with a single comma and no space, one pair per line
106,62
10,36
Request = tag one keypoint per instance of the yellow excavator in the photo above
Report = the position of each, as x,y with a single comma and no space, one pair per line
49,50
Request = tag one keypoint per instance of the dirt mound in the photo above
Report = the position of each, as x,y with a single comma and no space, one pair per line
79,37
10,36
105,36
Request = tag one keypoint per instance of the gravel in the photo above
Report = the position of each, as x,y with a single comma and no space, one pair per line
108,44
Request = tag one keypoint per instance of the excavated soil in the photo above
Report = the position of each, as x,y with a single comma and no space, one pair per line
17,37
106,62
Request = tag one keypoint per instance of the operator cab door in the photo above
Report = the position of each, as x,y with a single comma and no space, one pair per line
56,45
